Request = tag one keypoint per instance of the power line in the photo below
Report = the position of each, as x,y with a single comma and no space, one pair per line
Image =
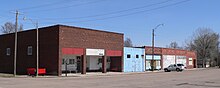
115,12
7,19
46,5
46,10
132,13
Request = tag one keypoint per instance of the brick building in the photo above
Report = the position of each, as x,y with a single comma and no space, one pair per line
166,56
85,49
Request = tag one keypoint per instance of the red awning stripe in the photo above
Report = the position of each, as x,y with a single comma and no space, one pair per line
72,51
114,53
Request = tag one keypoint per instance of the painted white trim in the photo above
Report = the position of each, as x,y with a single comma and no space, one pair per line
156,57
190,61
95,52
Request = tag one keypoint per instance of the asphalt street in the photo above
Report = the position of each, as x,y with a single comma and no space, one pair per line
206,78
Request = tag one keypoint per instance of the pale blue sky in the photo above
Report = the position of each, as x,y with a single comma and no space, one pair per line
134,18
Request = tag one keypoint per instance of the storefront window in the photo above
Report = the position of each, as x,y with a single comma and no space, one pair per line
71,61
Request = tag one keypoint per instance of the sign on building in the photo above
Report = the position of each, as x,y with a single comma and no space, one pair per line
95,52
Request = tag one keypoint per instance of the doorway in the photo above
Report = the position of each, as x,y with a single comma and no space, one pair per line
194,63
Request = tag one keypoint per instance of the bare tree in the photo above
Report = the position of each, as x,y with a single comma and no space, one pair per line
205,43
174,45
9,27
128,42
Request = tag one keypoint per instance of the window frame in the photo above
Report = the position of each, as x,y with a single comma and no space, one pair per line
71,61
128,55
190,61
8,51
137,56
29,50
63,61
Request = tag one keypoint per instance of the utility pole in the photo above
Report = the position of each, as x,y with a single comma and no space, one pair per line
15,50
37,57
37,48
152,61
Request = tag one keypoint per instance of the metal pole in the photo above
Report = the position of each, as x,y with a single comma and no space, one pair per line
37,48
37,44
66,67
152,61
15,50
218,54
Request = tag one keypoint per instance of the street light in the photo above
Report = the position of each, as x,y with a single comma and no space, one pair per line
218,56
152,61
37,59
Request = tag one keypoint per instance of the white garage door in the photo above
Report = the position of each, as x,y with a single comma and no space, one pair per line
167,60
181,60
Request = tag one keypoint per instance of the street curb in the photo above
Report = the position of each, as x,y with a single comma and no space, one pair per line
96,74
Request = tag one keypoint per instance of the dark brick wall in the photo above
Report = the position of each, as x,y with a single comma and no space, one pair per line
24,61
6,62
48,48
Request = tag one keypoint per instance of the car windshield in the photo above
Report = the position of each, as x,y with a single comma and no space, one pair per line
180,65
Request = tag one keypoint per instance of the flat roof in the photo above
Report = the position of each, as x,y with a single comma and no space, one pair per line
60,25
88,29
167,48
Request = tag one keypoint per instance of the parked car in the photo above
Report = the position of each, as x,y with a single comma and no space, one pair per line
181,66
175,67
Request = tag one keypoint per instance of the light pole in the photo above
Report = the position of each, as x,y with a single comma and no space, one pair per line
37,59
152,61
218,55
16,41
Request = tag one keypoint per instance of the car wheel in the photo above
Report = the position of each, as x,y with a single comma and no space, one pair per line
177,69
165,70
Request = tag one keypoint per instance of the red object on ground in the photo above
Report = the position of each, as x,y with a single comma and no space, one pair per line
32,71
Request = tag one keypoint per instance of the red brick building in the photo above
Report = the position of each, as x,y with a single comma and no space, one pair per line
59,42
165,56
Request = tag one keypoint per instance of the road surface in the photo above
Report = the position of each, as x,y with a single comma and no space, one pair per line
208,78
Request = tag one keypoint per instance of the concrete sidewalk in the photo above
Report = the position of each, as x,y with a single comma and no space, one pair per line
119,73
6,75
90,74
108,73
